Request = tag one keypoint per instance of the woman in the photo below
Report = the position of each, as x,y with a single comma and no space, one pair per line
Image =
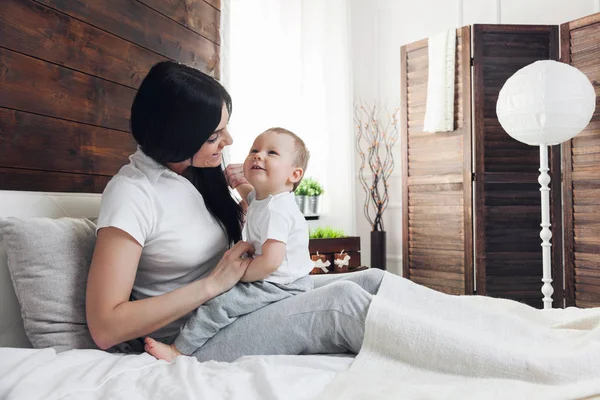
166,222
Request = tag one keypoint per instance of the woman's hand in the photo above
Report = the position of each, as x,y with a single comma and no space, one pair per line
235,175
230,268
113,318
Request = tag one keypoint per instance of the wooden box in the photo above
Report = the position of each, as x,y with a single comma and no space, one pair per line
329,247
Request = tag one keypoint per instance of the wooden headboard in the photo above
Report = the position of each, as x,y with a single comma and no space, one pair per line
69,70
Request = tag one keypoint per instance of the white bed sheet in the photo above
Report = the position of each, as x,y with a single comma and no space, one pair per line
92,374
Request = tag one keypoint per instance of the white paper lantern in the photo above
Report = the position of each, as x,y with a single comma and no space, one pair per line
546,103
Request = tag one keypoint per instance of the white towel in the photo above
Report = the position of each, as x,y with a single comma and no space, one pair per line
439,112
424,344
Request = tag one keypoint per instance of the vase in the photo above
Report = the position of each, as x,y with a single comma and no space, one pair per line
378,251
301,202
312,205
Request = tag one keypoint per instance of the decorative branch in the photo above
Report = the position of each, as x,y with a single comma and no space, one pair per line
377,132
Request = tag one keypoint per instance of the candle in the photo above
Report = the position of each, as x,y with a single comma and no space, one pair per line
341,261
320,263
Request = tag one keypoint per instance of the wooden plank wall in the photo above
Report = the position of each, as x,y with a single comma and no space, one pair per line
508,210
437,224
581,168
69,70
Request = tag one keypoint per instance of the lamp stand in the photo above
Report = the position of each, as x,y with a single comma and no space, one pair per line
546,233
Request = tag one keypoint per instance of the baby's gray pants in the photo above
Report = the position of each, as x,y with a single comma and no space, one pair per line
244,298
328,319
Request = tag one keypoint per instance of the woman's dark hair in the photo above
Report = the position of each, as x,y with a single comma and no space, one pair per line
176,109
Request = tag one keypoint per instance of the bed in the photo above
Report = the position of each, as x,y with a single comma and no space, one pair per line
27,373
419,343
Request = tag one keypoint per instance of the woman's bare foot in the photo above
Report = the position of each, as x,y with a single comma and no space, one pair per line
167,352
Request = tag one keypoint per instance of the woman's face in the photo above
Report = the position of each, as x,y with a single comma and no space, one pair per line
209,154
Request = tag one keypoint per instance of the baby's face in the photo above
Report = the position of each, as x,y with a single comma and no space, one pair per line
271,163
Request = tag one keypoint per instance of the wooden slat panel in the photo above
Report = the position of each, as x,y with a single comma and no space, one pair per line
507,198
437,233
437,180
428,232
414,47
589,266
32,85
22,179
196,15
436,199
139,24
581,166
35,142
427,241
38,31
68,74
422,145
446,286
434,274
583,22
580,40
453,282
513,267
585,298
437,260
418,169
215,3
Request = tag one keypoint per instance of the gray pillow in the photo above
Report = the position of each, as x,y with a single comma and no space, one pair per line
48,260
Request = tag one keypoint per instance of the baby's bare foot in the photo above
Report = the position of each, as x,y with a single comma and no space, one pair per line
160,350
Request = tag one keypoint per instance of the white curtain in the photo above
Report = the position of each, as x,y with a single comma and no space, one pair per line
288,63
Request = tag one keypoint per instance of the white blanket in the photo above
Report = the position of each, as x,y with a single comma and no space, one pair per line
439,109
420,343
27,374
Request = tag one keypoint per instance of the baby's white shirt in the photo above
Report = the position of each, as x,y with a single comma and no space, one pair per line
278,217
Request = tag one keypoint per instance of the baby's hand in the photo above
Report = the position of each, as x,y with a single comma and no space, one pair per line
235,175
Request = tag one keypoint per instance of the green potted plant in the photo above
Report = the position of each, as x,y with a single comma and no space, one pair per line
307,196
301,193
326,232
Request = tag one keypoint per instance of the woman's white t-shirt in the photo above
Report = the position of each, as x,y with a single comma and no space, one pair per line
166,214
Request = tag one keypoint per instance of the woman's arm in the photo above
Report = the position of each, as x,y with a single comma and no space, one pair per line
112,318
265,264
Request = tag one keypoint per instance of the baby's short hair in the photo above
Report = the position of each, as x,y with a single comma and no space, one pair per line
301,152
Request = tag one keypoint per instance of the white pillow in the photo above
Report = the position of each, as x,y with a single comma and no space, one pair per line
48,260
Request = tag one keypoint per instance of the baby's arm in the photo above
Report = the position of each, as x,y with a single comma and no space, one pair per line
265,264
236,179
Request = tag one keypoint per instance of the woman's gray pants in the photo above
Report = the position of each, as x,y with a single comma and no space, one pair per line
328,319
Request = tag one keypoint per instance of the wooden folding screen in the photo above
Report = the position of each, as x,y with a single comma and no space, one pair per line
507,197
580,47
438,233
437,225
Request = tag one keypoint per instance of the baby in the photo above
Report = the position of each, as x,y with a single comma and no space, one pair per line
276,229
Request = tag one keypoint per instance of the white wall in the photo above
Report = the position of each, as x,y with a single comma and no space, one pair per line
380,27
292,69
